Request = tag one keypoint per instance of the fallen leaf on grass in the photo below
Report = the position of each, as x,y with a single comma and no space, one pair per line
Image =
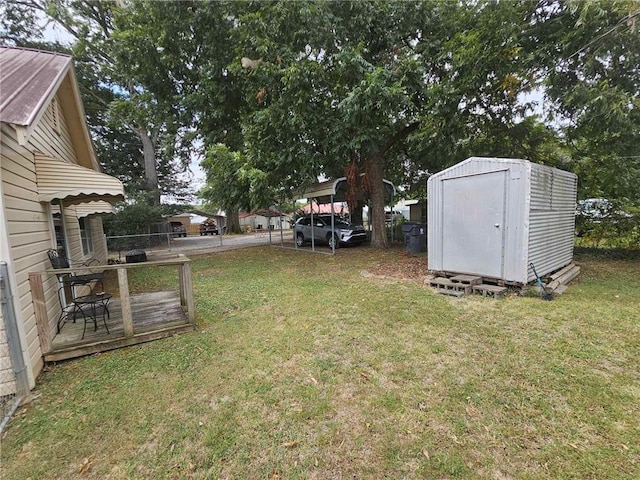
86,466
426,454
313,380
290,444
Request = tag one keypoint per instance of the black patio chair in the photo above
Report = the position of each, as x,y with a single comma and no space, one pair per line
87,306
71,304
59,261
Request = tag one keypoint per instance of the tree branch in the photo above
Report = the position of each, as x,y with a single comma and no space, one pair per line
401,135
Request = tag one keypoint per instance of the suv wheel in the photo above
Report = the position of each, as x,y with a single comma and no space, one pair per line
300,240
332,240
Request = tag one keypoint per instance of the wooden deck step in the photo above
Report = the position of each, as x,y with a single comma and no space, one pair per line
467,279
489,290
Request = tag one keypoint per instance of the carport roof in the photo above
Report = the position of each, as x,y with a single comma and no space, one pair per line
336,190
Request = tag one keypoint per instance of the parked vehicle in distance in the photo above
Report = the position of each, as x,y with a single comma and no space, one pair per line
343,233
178,230
598,213
208,227
599,208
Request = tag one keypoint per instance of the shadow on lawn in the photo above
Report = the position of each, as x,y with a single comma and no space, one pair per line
592,253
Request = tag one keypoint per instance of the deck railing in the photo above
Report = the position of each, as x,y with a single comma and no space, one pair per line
45,325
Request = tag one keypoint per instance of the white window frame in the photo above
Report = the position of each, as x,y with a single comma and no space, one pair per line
86,237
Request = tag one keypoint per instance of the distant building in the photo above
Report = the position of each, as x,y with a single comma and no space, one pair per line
264,219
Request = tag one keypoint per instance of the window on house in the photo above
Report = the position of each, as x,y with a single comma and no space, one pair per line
85,236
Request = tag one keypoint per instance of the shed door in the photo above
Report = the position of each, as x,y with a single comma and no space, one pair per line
472,225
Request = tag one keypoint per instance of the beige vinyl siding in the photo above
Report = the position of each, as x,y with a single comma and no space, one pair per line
99,241
45,139
72,232
29,235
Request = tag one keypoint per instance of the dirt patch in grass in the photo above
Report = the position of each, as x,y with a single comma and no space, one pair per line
404,266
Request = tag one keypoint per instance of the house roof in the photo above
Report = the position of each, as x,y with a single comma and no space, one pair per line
29,80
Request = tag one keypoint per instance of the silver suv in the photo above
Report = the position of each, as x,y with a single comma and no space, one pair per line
343,232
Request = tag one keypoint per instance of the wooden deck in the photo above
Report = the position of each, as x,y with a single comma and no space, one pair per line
155,315
133,318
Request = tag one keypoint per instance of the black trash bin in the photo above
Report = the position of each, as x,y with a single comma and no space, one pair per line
415,237
136,256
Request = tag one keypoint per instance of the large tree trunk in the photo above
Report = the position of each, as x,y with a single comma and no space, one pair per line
356,212
374,175
233,222
150,169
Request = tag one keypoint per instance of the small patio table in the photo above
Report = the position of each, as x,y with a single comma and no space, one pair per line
94,303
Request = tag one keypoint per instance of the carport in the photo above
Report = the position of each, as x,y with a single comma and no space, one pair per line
331,192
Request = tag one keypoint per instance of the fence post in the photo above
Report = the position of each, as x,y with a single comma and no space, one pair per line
125,302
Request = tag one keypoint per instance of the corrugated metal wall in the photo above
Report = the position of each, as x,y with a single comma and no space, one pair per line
551,218
538,218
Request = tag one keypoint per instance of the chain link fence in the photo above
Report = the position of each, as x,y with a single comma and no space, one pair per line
14,383
119,246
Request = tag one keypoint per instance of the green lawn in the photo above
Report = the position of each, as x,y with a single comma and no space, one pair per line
301,367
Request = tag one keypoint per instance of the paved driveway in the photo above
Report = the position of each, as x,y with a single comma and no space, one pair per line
216,243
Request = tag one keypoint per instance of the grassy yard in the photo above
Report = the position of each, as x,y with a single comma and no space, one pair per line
303,367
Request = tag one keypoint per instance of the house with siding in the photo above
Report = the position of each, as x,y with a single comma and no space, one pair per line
264,219
52,190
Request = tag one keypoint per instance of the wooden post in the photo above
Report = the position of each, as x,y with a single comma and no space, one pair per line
125,302
183,300
40,309
188,291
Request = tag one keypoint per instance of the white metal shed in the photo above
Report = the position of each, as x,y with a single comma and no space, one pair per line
491,217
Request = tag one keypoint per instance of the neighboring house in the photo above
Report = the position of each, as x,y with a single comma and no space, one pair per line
52,191
262,219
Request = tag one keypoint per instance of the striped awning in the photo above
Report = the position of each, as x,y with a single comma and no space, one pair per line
93,208
58,180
